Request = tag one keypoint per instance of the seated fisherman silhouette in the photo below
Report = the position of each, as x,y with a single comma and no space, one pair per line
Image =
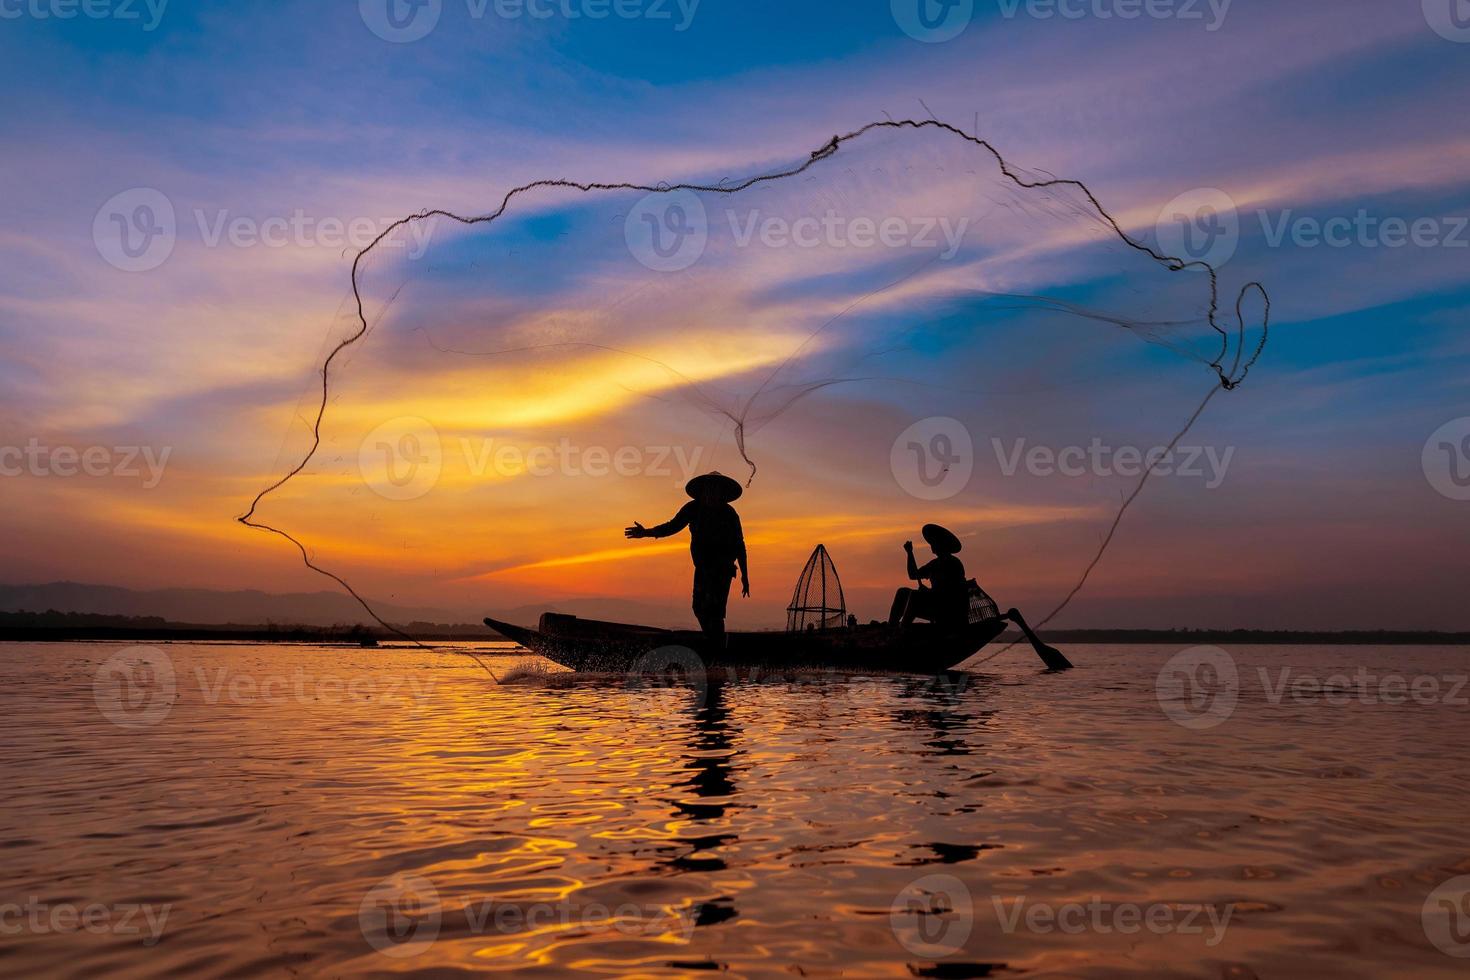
946,601
716,543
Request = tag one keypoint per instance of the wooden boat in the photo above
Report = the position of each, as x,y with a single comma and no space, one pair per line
593,645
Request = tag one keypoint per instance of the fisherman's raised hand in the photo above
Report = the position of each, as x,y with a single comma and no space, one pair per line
636,531
908,546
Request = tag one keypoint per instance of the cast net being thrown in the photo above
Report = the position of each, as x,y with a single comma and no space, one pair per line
879,333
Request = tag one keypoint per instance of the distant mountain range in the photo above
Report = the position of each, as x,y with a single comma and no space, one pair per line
252,607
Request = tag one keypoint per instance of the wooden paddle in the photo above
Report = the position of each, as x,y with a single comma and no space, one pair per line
1049,655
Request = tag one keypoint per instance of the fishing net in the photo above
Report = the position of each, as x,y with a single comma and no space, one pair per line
898,325
982,607
817,602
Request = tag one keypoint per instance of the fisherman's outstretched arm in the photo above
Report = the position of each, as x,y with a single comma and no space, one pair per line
678,523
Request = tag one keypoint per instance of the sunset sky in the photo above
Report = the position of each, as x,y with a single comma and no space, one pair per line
282,139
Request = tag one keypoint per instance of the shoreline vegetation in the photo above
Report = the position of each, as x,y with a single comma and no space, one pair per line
60,627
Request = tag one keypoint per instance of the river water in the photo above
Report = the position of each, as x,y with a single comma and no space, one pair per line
240,810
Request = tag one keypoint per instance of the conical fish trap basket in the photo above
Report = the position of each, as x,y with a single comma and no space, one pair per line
818,602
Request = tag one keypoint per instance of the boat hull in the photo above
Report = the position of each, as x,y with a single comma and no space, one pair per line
591,645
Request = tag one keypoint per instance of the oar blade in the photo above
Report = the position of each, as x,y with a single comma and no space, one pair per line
1052,657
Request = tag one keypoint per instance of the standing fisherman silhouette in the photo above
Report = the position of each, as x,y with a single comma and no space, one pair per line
716,543
946,602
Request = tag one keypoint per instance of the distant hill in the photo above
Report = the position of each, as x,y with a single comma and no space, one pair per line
207,606
210,607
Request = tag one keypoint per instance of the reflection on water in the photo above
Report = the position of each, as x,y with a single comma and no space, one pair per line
238,810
